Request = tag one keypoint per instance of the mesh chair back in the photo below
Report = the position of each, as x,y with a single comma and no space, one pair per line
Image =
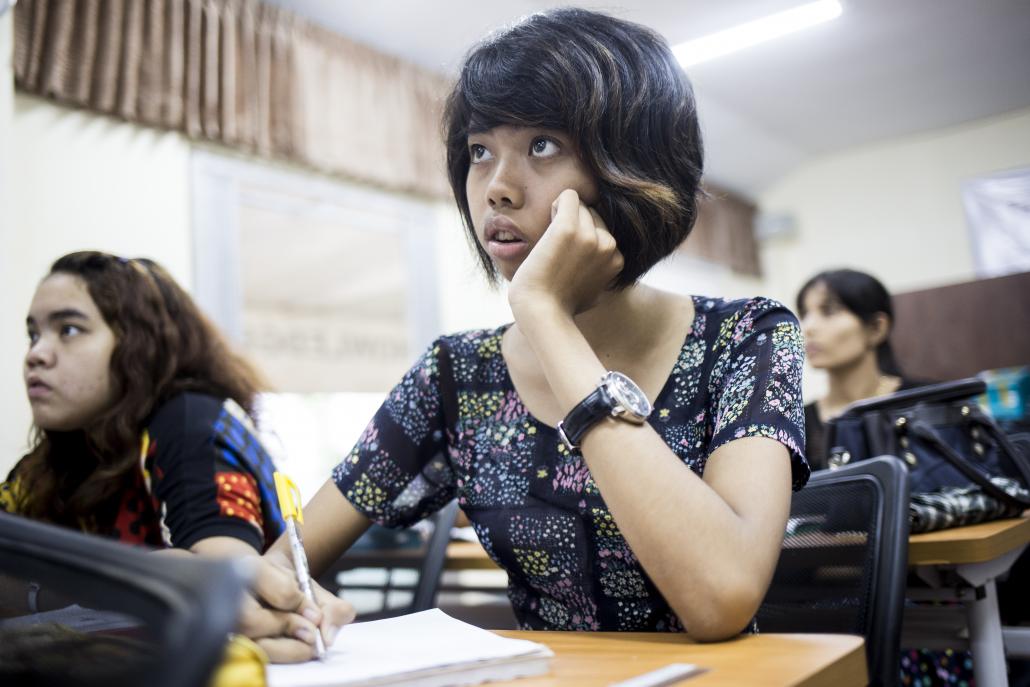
126,617
844,559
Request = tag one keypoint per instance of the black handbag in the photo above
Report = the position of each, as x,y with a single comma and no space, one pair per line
952,448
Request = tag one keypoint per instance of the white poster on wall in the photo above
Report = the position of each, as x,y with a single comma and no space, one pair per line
325,302
327,286
998,214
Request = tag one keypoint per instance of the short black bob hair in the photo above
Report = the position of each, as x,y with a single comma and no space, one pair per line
865,297
617,90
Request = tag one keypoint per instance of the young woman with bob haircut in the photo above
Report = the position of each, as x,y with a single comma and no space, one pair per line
626,455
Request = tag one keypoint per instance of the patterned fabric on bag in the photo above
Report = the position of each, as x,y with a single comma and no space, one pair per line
958,506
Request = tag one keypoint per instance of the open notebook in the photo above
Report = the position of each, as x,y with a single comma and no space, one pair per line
427,649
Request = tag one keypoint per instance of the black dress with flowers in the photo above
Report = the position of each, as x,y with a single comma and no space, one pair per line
455,427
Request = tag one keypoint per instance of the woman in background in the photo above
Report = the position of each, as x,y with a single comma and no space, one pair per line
141,415
846,316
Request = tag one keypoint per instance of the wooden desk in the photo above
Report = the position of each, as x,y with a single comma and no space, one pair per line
972,544
468,555
976,554
461,555
765,660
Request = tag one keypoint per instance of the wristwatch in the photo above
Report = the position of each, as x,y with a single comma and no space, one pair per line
616,396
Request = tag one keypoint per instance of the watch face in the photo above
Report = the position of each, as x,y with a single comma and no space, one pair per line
627,394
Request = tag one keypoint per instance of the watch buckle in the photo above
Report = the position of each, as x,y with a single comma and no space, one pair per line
564,437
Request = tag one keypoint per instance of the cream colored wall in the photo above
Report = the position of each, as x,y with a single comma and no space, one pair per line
893,209
82,181
13,411
466,300
89,182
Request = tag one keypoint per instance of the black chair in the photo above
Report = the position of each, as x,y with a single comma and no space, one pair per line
428,560
844,561
137,617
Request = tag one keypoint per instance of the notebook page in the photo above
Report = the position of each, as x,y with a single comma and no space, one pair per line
396,646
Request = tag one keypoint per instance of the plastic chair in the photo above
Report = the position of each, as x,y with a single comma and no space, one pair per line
427,560
844,561
137,618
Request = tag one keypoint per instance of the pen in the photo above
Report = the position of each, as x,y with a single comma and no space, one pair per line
666,675
289,503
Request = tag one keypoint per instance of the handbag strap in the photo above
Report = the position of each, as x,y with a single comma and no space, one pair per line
1005,445
927,434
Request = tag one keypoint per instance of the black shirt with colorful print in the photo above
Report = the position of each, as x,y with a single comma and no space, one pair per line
202,472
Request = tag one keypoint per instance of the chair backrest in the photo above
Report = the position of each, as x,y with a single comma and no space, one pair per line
428,561
436,556
127,616
844,560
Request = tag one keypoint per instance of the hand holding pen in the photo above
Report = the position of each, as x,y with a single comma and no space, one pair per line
289,503
281,618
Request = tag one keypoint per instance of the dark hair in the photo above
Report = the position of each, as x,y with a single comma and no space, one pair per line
617,90
164,345
865,297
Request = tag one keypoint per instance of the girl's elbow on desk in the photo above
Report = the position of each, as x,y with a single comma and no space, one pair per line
717,629
722,613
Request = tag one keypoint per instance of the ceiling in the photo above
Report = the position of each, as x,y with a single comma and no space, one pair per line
883,69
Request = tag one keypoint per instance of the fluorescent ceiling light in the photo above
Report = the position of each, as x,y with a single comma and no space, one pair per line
755,32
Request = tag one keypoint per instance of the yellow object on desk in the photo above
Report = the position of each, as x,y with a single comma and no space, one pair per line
242,666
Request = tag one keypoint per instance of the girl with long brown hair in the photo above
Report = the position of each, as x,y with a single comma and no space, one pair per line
141,414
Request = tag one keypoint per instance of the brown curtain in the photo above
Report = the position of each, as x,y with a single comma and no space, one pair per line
241,73
724,232
259,78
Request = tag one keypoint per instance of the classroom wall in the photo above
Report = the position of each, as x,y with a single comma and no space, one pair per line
467,301
82,181
893,208
86,181
12,335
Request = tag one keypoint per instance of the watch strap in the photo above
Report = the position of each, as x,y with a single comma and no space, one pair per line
596,406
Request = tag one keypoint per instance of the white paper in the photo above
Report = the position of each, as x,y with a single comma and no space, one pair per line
375,650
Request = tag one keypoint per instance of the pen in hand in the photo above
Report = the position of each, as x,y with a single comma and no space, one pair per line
289,503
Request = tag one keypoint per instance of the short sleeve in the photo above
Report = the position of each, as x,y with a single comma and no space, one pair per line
200,466
398,472
755,382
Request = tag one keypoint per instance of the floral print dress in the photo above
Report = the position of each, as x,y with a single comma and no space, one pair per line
455,427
